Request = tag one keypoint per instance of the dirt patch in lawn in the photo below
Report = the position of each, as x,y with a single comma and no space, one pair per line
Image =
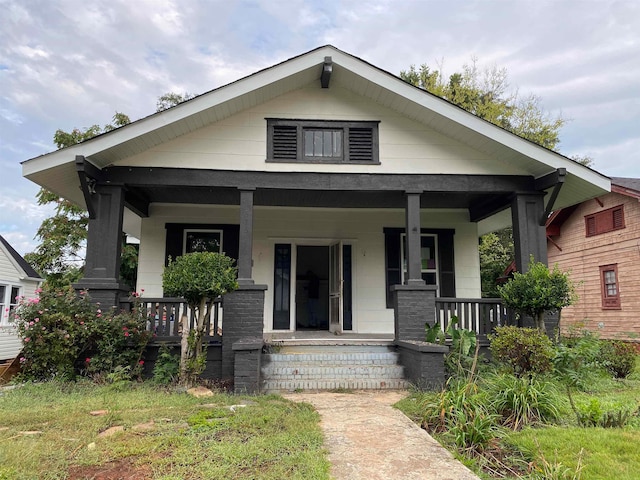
123,469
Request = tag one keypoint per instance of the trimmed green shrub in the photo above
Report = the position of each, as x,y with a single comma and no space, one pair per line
618,357
538,291
525,351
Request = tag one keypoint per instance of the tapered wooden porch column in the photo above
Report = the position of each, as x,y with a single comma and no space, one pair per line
243,320
529,236
245,259
104,245
412,219
413,302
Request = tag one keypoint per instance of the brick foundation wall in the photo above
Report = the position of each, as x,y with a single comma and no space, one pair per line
423,363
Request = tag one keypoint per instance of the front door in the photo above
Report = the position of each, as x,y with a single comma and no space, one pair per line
312,287
335,287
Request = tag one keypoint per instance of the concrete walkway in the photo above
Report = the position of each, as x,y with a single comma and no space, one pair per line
369,439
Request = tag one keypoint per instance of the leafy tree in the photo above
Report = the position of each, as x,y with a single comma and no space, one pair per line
64,139
496,253
538,292
171,99
585,160
58,256
62,236
486,93
199,278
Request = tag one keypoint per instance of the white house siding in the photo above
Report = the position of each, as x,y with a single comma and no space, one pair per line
239,142
10,344
362,228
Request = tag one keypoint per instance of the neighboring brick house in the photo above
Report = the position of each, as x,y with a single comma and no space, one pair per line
598,242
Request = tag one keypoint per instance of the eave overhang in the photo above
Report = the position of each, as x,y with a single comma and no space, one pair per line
56,171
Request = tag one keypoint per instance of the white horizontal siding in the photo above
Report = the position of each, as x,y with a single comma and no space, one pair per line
10,344
303,226
239,142
8,271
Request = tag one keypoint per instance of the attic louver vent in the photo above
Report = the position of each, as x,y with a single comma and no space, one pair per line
360,144
285,142
605,221
333,141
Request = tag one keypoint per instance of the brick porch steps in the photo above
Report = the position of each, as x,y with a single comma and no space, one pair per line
329,367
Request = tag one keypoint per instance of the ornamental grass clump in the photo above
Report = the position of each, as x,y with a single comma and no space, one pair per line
521,401
65,335
460,413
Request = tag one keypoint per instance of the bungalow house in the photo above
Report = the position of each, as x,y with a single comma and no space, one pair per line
323,166
17,278
598,241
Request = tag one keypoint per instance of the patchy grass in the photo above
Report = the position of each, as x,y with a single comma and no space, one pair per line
166,435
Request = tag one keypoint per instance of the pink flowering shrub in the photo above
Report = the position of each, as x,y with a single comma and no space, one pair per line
65,335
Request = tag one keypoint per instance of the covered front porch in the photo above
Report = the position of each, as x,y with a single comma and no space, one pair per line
400,249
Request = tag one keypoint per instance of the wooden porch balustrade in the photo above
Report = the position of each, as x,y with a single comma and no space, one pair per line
481,315
164,317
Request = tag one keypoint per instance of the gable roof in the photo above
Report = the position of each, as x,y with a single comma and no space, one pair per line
56,170
18,261
626,186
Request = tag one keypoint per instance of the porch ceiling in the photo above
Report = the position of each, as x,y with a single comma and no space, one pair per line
481,194
307,198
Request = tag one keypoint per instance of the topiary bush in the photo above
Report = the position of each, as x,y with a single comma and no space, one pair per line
65,335
538,291
198,277
525,351
618,357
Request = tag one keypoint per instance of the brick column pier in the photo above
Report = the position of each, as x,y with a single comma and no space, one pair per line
243,317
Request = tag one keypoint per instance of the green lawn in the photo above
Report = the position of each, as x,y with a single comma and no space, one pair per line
166,434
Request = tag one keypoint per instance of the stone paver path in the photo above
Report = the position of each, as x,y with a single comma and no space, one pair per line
369,439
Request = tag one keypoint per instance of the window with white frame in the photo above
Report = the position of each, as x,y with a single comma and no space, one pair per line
8,301
428,257
201,240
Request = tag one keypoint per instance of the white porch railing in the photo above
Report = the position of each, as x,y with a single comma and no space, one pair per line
164,317
480,315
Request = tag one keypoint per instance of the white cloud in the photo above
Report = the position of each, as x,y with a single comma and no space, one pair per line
71,63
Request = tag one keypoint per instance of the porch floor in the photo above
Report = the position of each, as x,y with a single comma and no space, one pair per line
324,337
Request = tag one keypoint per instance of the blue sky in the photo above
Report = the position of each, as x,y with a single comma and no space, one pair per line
72,63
